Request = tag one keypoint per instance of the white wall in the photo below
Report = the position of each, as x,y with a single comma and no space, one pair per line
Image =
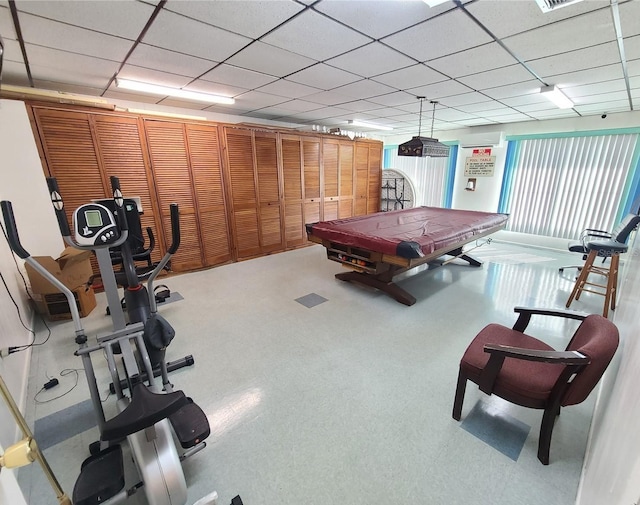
611,472
24,184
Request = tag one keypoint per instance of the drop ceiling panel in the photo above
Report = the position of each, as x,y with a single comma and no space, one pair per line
465,99
42,32
130,96
231,75
141,74
126,21
6,25
307,34
498,77
591,75
294,106
365,88
215,88
594,89
16,73
440,90
288,89
328,98
267,59
64,67
599,99
603,107
521,88
475,60
433,38
64,87
505,18
578,60
258,100
564,36
157,58
394,99
477,108
411,77
445,115
370,60
632,47
323,76
553,114
496,110
629,16
12,51
184,104
380,17
253,20
361,106
184,35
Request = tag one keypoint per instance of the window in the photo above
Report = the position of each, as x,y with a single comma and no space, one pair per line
558,186
432,178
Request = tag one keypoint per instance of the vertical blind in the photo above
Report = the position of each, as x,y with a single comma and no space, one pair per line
557,187
432,178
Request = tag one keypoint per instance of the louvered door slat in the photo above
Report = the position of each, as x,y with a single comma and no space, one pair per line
206,169
240,157
311,159
330,168
268,192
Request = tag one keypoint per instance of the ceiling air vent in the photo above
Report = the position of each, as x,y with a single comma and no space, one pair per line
550,5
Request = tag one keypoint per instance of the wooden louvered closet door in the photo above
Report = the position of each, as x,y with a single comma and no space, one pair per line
122,155
374,194
170,166
70,155
293,184
346,189
244,213
362,178
311,159
206,169
269,204
330,175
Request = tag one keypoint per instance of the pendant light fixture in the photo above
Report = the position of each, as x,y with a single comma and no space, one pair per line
424,146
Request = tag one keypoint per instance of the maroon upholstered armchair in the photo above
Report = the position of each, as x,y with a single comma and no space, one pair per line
528,372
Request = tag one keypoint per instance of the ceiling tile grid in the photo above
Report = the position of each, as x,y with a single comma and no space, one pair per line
328,61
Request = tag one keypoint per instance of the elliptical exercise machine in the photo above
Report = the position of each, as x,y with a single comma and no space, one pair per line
153,413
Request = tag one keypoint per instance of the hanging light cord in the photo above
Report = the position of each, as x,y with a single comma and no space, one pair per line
420,120
433,116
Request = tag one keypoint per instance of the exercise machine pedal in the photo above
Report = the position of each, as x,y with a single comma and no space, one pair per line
190,424
171,367
101,477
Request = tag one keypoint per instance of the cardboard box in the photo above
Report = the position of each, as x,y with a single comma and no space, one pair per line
56,307
72,268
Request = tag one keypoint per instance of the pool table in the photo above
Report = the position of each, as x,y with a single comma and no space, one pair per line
379,246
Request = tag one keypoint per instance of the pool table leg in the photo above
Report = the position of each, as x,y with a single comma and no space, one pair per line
469,259
382,282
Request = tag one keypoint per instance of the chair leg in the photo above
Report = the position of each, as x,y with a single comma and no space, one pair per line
546,430
459,399
582,278
612,284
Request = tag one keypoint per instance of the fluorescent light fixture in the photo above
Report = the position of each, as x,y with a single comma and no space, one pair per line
166,114
178,93
554,94
434,3
363,124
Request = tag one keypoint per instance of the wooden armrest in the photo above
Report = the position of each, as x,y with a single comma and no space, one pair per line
557,357
572,359
526,313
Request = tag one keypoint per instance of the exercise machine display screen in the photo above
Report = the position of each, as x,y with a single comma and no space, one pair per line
93,218
95,225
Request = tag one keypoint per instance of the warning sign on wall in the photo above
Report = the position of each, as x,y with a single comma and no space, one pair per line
480,166
481,151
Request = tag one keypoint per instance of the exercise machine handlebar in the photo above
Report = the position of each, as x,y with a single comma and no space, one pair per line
12,230
175,229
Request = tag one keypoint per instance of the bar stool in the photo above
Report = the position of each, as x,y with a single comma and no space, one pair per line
607,249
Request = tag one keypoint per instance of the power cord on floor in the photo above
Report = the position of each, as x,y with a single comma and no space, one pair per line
54,382
4,352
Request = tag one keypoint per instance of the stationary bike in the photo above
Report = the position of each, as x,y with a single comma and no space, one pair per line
153,413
